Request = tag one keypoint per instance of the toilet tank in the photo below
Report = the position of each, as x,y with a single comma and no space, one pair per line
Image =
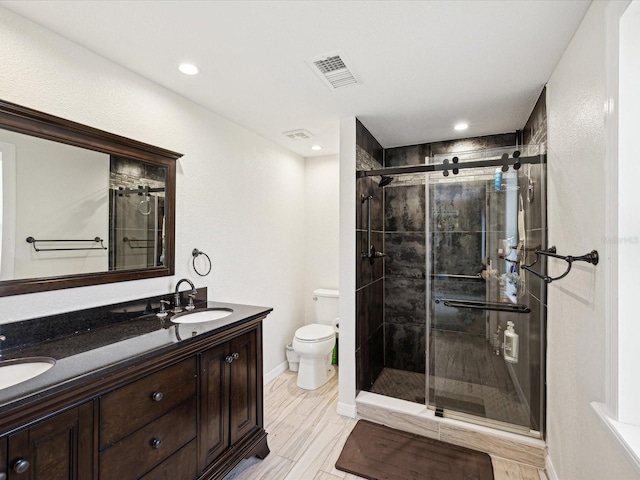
326,305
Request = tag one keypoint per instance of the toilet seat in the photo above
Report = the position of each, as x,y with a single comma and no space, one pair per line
314,333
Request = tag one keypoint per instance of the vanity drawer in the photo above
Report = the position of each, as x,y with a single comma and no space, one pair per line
179,466
132,406
151,445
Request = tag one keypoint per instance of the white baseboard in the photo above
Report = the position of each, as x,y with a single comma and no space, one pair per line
271,376
551,472
346,410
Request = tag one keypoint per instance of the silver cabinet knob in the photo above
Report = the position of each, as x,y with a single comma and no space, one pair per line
157,396
3,476
156,443
232,357
20,466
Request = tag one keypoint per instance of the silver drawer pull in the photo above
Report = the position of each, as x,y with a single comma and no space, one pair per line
20,466
157,396
232,357
156,443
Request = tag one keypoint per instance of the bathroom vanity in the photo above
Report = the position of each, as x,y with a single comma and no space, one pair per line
133,396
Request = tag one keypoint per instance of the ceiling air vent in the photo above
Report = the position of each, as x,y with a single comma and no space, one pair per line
298,134
334,70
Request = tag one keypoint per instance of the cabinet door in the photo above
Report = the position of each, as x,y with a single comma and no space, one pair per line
3,459
243,386
214,404
60,448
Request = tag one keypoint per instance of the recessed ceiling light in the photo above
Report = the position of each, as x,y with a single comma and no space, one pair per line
316,147
188,69
461,126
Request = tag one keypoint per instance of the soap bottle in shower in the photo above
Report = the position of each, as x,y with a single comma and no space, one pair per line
497,179
510,344
497,336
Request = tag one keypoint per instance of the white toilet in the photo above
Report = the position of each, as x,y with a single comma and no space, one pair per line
314,342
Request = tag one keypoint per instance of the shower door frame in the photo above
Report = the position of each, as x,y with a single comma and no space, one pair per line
449,413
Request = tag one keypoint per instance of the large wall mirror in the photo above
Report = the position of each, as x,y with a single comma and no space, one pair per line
80,206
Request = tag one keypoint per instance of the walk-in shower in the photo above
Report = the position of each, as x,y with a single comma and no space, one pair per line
461,325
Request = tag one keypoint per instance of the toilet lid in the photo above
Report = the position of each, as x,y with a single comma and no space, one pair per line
314,332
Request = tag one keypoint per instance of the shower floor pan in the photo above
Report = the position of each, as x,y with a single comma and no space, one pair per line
485,390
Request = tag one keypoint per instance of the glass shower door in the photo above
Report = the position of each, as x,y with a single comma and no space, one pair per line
477,234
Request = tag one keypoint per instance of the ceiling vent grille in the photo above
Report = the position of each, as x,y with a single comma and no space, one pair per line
334,70
299,134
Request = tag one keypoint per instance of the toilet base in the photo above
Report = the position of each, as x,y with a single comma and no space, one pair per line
313,373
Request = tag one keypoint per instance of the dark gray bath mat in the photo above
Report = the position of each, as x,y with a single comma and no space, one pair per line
377,452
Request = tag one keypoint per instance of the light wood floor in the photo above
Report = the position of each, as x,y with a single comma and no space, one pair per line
306,436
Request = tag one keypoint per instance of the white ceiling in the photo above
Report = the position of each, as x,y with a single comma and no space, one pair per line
423,65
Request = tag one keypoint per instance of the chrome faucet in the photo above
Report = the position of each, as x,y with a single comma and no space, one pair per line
176,307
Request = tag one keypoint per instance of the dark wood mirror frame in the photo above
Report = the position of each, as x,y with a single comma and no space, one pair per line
32,122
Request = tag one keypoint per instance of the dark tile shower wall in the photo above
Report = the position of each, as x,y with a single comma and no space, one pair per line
457,239
533,348
369,277
405,280
457,235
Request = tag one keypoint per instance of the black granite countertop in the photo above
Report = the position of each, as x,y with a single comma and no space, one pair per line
98,346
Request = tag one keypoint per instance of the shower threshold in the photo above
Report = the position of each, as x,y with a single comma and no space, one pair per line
478,404
495,439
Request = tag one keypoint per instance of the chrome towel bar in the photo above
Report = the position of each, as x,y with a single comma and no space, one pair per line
33,241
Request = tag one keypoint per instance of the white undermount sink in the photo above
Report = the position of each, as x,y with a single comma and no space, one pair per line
201,316
19,370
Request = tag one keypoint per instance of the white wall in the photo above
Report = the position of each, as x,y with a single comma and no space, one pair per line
347,380
579,446
628,218
240,197
322,206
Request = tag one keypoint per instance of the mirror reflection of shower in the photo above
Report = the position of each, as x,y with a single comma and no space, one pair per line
136,214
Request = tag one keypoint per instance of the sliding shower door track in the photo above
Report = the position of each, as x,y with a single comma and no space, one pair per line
484,422
425,168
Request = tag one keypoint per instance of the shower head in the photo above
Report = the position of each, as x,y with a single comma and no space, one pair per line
384,181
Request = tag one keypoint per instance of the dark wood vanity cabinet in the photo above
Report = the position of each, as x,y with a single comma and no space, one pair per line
144,423
228,398
191,413
59,448
3,459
